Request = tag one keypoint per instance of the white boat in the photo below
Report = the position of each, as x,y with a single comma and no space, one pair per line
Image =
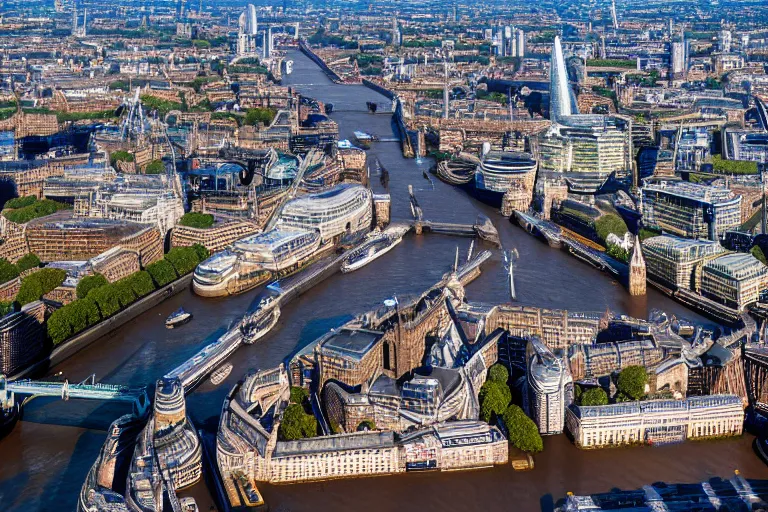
220,374
288,67
188,504
370,251
177,318
261,321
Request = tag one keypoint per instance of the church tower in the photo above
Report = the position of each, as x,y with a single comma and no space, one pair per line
637,281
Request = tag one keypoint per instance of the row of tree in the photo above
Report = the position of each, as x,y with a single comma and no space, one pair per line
10,270
33,210
98,299
495,404
630,386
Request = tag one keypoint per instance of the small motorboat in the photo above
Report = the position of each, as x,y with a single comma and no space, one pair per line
364,139
188,504
220,374
177,318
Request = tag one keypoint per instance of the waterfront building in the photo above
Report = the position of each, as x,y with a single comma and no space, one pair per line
735,280
656,421
584,149
549,385
676,262
345,209
499,172
175,440
216,238
247,442
600,359
689,209
22,337
254,259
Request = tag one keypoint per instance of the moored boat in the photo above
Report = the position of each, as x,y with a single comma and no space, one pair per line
8,419
177,318
220,374
363,139
261,321
370,251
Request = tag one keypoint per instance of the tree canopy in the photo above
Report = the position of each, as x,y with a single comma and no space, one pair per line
523,432
197,220
594,396
610,223
757,252
494,398
631,382
155,167
296,424
498,373
27,262
89,283
38,284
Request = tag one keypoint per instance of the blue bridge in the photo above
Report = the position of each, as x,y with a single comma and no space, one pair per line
85,390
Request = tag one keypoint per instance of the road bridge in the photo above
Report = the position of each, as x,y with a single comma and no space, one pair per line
84,390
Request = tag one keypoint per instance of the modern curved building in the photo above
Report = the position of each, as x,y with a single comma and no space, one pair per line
342,210
253,260
176,444
248,21
500,171
549,387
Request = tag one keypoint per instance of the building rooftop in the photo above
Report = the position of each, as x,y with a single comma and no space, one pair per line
693,191
343,442
737,266
351,343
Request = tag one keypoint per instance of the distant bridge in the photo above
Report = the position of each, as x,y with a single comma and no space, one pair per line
65,390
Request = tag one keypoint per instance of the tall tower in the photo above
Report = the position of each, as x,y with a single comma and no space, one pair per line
560,104
613,15
446,94
637,282
74,19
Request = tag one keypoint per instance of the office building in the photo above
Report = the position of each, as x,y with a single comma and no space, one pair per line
735,280
549,386
676,262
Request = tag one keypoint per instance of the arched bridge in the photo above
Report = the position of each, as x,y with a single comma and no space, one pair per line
84,390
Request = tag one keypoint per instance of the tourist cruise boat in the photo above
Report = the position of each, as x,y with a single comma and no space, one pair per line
254,260
220,374
498,172
376,246
343,210
261,321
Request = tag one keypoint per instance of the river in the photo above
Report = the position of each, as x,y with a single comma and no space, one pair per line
43,462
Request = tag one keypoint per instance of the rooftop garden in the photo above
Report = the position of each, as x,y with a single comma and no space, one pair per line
23,210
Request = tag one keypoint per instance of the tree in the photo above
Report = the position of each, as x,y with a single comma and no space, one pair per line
594,396
256,116
8,271
123,293
58,326
20,202
27,262
523,432
494,398
106,299
89,283
140,282
202,252
197,220
38,284
498,373
183,259
120,156
299,395
162,272
757,252
155,167
296,424
610,223
631,382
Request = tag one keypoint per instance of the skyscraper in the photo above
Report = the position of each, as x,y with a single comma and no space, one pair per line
248,22
560,103
550,387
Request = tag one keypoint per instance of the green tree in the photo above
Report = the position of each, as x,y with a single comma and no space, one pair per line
33,211
256,116
183,259
523,432
631,382
38,284
124,293
140,282
617,252
30,291
27,262
498,373
594,396
197,220
8,271
610,223
202,252
296,424
155,167
757,252
120,156
58,326
88,283
299,395
20,202
162,272
106,299
494,398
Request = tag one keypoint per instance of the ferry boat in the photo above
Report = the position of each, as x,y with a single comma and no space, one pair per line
220,374
288,67
177,318
369,251
261,321
364,139
188,504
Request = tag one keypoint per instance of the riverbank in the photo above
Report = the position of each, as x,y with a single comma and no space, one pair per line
84,339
